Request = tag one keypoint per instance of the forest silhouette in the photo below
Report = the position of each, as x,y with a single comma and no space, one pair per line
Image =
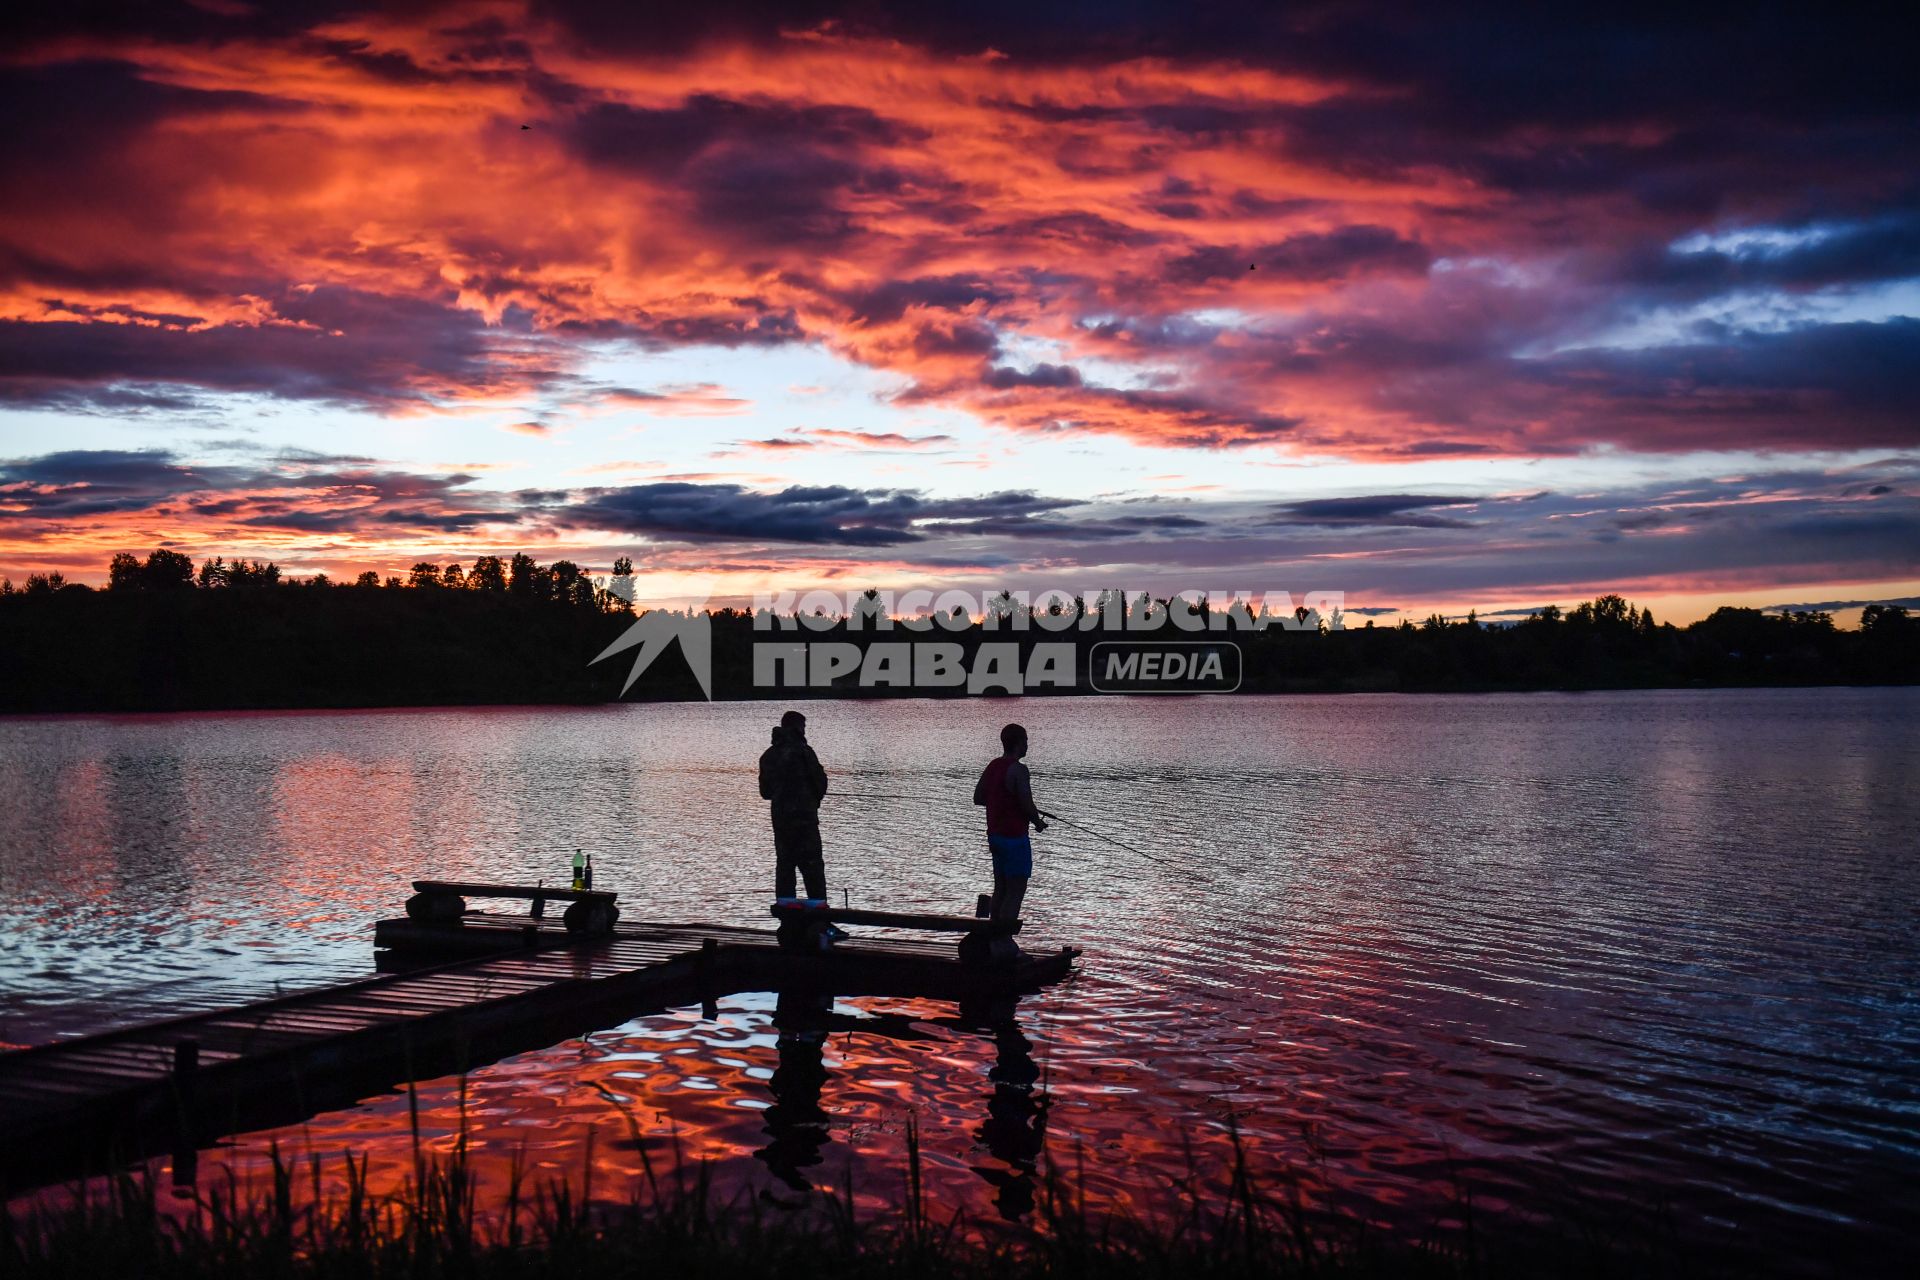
163,635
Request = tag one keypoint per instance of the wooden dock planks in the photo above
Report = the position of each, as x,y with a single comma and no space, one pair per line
98,1101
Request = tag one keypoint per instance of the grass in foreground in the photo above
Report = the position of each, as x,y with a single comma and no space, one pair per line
676,1226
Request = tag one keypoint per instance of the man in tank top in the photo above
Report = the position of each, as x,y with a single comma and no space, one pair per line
1006,790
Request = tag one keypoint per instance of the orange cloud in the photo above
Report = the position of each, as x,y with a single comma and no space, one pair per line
1341,237
356,212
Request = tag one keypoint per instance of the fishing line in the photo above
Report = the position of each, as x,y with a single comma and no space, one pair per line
1100,835
1051,817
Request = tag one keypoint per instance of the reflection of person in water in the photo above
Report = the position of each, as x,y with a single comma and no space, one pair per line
1016,1127
796,1123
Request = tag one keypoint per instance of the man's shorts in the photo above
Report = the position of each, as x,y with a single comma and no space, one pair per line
1012,856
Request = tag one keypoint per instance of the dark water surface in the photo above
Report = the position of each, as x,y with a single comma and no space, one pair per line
1656,950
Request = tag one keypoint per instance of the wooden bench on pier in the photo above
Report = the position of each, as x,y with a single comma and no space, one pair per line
445,901
982,942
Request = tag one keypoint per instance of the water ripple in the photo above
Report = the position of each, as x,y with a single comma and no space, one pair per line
1647,949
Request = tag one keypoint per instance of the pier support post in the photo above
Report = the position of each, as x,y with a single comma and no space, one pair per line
590,917
983,949
186,1127
709,953
436,907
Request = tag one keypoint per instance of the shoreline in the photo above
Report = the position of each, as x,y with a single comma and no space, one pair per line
801,695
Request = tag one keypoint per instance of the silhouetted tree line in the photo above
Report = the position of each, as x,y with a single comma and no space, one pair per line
163,636
1606,643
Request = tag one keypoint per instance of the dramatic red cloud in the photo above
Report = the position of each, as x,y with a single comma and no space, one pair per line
1277,240
1363,230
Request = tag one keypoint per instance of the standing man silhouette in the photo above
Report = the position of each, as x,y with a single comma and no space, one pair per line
1006,789
793,781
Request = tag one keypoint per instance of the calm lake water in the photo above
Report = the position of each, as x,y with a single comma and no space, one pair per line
1652,950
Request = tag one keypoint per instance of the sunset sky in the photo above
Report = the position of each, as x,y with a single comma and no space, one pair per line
1474,311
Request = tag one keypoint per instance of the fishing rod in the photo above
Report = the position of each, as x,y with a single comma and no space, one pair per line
1101,835
1051,817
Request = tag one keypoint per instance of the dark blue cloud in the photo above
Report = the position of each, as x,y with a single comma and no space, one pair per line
821,514
335,344
768,171
1041,375
1306,258
1829,606
1775,257
1842,385
43,493
1404,509
663,141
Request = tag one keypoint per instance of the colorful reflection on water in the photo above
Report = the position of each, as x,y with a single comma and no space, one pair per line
1650,950
787,1097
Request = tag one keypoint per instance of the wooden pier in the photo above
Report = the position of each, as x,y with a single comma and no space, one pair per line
512,984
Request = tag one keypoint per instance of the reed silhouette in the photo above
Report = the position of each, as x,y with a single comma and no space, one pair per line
672,1221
